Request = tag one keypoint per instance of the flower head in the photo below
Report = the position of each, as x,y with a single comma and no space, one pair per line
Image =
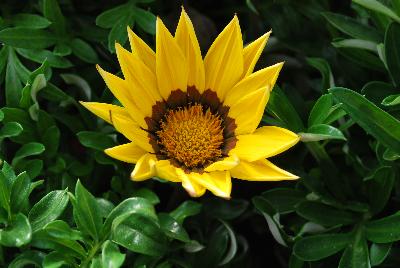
194,121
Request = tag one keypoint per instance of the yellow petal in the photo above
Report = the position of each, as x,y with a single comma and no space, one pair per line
264,142
171,66
142,50
262,78
144,168
249,110
142,82
225,164
224,60
120,90
133,132
218,182
165,170
260,170
186,38
252,52
192,187
104,110
128,152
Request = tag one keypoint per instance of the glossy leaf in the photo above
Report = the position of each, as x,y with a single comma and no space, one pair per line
321,132
384,230
172,228
324,68
18,233
378,123
20,191
29,149
377,6
186,209
48,209
111,256
392,51
379,252
356,254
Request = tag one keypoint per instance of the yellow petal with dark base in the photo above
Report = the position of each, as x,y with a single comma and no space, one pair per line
260,170
142,50
249,110
252,52
171,66
262,78
129,152
187,41
264,142
144,168
120,90
133,132
142,82
165,170
193,188
225,164
224,60
218,182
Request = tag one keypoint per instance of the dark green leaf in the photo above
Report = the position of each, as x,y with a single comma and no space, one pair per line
392,51
54,260
20,191
186,209
10,129
18,233
60,229
284,200
352,27
377,6
52,12
145,20
225,210
30,21
324,68
29,149
48,209
320,110
108,18
5,191
356,254
375,121
384,230
118,32
84,51
148,194
318,247
379,188
40,55
27,38
95,140
13,82
26,258
379,252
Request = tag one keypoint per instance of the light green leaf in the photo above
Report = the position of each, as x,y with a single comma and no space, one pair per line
19,232
111,256
27,38
378,7
29,149
392,51
20,191
321,132
379,252
30,21
172,228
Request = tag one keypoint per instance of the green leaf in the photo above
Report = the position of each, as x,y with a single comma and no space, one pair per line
221,209
29,149
84,51
148,194
139,234
325,215
145,20
27,38
111,256
133,205
355,43
87,212
19,233
325,69
352,27
363,57
30,21
62,50
378,7
372,119
40,55
108,18
321,132
379,188
10,129
376,91
356,254
186,209
391,100
20,191
118,31
52,12
60,229
317,247
379,252
384,230
320,110
95,140
26,258
48,209
392,51
284,200
78,81
54,260
233,245
5,192
13,82
172,228
281,108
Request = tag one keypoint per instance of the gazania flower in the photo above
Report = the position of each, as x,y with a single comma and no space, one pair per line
194,121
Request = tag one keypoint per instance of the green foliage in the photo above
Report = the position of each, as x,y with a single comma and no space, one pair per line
64,203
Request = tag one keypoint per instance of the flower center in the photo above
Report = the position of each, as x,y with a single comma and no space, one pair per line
191,136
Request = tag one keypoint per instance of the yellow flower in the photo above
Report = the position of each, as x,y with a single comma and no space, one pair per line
194,121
